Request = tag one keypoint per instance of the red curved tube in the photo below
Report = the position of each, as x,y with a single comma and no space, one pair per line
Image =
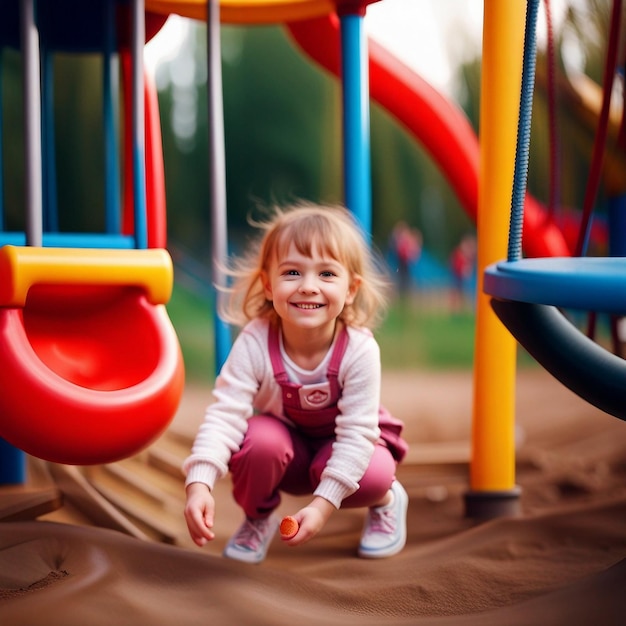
89,376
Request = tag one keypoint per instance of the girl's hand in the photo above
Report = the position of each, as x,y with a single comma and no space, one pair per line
200,513
311,519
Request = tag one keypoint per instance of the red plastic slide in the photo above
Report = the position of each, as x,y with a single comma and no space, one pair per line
96,374
439,125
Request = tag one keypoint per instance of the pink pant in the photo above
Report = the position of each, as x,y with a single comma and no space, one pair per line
275,457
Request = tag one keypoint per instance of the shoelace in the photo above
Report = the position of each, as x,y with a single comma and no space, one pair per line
382,521
251,534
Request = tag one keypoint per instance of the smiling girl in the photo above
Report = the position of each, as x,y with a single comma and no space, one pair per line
297,403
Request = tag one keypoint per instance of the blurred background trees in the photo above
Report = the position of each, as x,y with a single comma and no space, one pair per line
283,143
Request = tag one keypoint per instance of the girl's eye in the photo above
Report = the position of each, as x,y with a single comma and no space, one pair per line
327,274
291,273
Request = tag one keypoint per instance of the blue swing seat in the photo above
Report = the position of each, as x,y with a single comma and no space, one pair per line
585,283
527,295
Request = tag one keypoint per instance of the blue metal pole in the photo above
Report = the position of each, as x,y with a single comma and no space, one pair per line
217,175
111,115
12,464
617,225
50,204
356,120
2,226
138,41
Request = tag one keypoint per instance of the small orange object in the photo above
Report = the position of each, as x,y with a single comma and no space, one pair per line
289,527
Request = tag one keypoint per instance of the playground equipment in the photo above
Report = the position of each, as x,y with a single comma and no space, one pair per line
95,369
527,293
91,367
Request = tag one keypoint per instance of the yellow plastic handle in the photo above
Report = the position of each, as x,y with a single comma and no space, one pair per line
23,267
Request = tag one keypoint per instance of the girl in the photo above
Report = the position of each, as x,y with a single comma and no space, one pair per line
296,405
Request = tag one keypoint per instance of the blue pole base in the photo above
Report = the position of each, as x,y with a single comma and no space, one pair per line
12,464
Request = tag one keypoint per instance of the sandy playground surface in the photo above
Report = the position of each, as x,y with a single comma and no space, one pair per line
108,545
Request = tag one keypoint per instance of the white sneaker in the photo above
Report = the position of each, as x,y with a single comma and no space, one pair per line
384,533
251,541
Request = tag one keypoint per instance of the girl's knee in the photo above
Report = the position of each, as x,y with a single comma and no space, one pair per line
376,481
266,438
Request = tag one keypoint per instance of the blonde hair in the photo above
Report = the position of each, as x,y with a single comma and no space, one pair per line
310,227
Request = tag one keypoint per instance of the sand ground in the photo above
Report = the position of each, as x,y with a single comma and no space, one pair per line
114,548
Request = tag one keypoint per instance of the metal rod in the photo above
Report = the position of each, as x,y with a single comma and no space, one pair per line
32,123
138,40
217,174
110,80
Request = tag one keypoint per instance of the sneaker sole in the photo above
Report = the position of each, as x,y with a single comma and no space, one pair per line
239,555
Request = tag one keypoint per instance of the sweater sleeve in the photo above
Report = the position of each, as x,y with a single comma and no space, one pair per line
356,426
226,418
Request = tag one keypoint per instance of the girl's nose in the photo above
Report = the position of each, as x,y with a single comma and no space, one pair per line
308,284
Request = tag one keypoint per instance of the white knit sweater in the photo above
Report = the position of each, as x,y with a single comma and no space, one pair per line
246,386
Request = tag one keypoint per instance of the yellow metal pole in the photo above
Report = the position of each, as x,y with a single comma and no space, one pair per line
492,472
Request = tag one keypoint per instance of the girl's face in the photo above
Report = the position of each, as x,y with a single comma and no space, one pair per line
309,292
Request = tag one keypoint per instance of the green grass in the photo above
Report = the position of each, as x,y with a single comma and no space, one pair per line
193,320
435,338
411,336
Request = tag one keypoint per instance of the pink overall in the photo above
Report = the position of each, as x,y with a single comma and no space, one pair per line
276,457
